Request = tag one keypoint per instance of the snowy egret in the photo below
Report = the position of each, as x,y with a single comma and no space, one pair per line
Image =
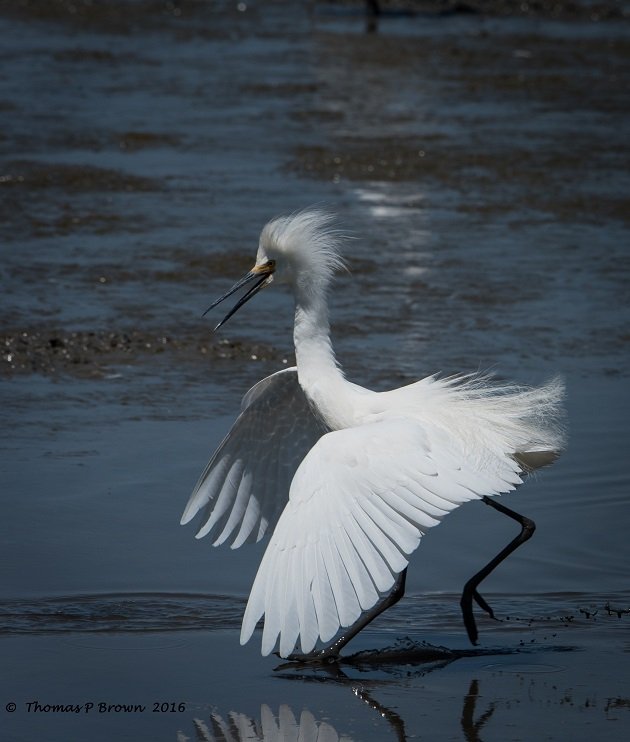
348,479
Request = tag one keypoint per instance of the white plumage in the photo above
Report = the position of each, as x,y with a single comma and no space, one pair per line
349,479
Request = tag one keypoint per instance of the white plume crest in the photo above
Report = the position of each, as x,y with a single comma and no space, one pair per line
306,242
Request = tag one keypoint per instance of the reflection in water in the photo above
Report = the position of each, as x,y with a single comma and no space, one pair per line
285,728
237,727
394,719
470,727
397,660
406,659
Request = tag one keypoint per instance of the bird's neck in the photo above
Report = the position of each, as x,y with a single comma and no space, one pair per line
311,335
318,372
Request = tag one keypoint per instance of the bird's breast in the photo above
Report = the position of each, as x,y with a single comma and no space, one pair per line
339,405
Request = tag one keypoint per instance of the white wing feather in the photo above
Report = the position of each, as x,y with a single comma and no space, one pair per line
358,506
246,484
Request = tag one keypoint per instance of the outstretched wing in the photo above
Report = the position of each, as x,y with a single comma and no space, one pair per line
246,484
358,506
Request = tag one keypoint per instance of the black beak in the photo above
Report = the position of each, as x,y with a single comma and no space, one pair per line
261,275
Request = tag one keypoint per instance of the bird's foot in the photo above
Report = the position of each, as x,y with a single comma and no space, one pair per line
326,656
484,605
470,593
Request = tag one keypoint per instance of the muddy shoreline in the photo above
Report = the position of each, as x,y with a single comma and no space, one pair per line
93,354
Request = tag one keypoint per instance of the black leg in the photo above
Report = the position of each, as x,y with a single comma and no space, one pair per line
470,589
331,652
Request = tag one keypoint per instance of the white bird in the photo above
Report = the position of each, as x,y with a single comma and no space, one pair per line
348,479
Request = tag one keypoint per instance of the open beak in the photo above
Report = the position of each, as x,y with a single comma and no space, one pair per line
260,274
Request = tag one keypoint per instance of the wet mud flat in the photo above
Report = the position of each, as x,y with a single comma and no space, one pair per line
479,153
85,354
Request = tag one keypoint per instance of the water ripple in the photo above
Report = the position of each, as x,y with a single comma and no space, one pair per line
120,612
167,612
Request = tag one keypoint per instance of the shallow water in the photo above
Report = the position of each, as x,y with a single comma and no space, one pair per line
480,164
551,676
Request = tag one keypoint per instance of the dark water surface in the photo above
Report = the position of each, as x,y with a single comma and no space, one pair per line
480,163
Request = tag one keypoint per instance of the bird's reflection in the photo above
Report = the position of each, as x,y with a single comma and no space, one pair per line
470,727
237,727
394,719
376,668
285,727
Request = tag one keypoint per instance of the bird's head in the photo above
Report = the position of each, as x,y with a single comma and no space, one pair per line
300,250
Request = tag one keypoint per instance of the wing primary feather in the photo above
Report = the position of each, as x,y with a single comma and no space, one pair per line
405,534
438,494
346,602
262,528
239,504
305,607
417,495
360,580
248,524
276,579
224,500
255,607
273,608
290,623
323,598
382,543
373,568
203,492
409,510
